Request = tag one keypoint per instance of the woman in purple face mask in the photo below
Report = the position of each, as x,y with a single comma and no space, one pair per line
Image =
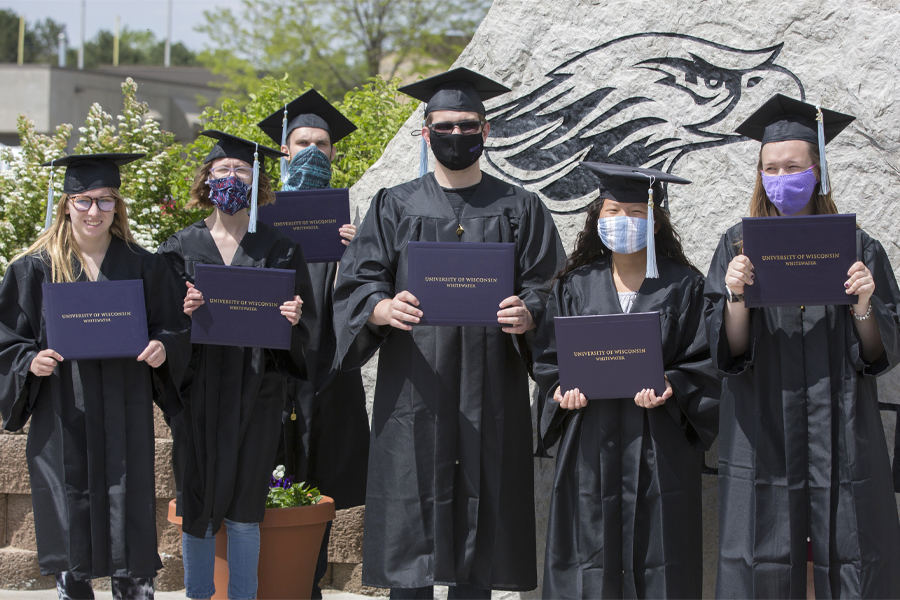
806,499
225,444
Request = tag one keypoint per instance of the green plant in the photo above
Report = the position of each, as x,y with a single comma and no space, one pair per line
284,493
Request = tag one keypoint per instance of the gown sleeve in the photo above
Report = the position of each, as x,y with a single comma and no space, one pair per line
293,362
540,256
885,305
695,385
366,276
716,297
550,417
169,325
20,341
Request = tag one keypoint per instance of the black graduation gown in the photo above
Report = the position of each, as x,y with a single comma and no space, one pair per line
90,446
801,448
450,496
327,444
234,397
625,511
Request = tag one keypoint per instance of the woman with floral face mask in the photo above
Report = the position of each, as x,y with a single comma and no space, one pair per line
806,505
625,506
234,396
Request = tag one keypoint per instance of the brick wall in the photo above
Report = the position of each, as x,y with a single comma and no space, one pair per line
18,553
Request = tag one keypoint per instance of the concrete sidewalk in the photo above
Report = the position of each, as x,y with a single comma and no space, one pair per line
105,595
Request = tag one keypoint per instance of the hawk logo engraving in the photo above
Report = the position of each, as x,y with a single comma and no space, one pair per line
645,99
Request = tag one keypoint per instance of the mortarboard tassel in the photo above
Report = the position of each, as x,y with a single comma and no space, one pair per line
50,200
825,187
284,161
423,158
652,271
254,193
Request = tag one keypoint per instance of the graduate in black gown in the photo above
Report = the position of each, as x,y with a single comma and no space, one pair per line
326,428
91,442
806,503
450,496
234,397
625,511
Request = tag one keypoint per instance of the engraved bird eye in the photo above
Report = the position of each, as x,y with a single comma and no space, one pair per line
712,83
753,81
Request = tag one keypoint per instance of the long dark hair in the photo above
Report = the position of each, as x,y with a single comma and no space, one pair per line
589,248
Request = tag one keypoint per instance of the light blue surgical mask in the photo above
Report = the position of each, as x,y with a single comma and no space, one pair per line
622,234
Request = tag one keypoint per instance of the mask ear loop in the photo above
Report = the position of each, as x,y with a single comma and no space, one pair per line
254,194
284,162
824,184
652,271
48,219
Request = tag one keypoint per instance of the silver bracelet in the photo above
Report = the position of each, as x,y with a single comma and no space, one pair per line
865,316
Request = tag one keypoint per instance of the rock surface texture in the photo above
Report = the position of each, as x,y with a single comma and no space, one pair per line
664,85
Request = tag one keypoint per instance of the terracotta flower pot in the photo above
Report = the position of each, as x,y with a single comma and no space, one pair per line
289,542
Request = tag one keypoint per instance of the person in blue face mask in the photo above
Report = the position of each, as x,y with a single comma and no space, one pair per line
326,427
622,522
806,503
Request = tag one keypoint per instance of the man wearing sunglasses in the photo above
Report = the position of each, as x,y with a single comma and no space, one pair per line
450,498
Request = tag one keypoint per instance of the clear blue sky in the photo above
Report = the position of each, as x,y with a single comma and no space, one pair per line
135,14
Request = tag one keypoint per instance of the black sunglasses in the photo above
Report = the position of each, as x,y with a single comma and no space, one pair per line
465,127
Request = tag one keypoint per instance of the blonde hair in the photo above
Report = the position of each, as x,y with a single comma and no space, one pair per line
761,206
200,189
59,246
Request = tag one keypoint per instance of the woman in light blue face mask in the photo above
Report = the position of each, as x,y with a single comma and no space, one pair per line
623,522
802,453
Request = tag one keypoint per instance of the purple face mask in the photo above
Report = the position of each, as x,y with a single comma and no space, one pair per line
229,194
790,193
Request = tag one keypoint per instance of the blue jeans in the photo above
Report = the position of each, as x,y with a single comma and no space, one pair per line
199,556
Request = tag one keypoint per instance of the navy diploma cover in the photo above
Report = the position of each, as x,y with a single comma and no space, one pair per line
461,283
311,218
610,356
799,260
96,319
242,307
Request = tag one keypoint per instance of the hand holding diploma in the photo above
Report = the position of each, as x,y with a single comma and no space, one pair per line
348,232
154,354
739,274
43,364
862,284
648,399
397,311
193,300
292,310
516,315
572,400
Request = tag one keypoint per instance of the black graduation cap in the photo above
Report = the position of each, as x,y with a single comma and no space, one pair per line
458,89
782,118
623,183
86,172
91,171
308,110
231,146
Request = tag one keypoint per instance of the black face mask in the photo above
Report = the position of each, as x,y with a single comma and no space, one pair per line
457,151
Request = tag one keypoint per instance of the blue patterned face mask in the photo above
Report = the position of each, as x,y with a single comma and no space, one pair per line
229,194
623,235
310,169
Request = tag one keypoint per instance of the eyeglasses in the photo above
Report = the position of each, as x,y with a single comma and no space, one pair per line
83,203
465,127
242,173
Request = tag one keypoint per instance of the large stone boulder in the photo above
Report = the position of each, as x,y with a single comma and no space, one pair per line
664,84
